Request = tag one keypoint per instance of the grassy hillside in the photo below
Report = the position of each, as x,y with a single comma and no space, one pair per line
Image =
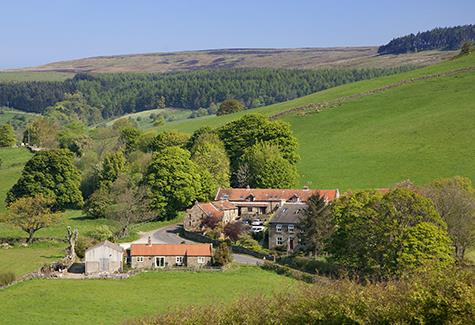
300,58
13,76
113,301
418,129
13,160
145,121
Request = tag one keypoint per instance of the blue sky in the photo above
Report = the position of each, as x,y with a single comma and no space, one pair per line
37,32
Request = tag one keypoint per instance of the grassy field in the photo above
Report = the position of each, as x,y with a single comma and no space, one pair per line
14,76
144,121
297,58
21,260
13,161
7,114
113,301
422,130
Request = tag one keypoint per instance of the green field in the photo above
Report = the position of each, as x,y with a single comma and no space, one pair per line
144,121
113,301
421,131
7,114
15,76
13,161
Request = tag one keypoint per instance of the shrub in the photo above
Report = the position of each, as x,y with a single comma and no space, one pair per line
246,241
82,244
101,233
222,255
6,278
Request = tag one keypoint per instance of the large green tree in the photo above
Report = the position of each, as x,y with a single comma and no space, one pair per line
113,165
208,153
175,182
7,136
53,174
230,106
454,199
263,166
168,139
380,236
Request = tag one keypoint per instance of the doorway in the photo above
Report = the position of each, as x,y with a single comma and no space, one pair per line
160,261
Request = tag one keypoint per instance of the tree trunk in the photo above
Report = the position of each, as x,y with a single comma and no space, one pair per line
30,237
72,237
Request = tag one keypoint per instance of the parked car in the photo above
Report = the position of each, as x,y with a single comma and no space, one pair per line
257,222
256,229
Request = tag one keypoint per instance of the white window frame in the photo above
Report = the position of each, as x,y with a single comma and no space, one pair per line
140,259
279,240
278,228
201,260
179,260
291,229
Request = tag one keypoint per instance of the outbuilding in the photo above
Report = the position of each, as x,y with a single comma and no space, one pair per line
105,257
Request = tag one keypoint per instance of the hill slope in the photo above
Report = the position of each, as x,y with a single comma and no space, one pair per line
417,125
303,58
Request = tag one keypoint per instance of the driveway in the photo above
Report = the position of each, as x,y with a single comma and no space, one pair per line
169,235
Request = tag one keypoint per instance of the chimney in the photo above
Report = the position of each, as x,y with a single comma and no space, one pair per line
149,241
305,188
248,187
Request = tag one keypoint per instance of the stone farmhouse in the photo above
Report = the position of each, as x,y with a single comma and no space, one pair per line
152,256
105,257
257,202
220,210
283,227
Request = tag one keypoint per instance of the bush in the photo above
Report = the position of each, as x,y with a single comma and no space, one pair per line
246,241
101,233
82,244
222,255
7,278
309,265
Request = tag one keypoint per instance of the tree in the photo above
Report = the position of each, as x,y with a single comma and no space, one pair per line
168,139
42,132
230,106
454,199
316,225
267,168
222,254
71,237
467,48
53,174
130,204
113,165
233,230
73,137
97,204
31,214
174,181
208,153
130,137
380,236
7,136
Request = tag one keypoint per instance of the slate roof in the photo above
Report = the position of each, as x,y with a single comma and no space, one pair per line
171,250
107,244
261,194
289,213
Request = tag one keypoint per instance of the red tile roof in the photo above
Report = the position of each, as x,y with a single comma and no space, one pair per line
224,205
171,250
260,194
211,210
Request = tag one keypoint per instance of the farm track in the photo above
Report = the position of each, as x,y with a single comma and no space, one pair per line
318,107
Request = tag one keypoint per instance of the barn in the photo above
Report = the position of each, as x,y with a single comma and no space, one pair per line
105,257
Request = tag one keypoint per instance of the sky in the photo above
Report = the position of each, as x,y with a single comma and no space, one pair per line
35,32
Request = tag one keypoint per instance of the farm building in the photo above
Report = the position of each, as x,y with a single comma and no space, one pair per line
104,257
149,256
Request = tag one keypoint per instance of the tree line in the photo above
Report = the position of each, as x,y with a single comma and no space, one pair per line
115,94
448,38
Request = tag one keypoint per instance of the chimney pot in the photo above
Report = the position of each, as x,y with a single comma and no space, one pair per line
149,242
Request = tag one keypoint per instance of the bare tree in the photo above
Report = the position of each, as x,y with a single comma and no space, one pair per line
454,199
130,205
72,238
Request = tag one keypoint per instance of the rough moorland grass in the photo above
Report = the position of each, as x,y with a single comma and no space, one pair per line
15,76
21,260
145,122
13,161
113,301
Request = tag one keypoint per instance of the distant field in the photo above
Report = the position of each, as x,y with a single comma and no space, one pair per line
13,76
144,121
114,301
300,58
422,130
13,161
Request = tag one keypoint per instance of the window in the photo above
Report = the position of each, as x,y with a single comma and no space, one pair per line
290,228
279,240
249,209
139,258
179,260
278,228
225,197
201,260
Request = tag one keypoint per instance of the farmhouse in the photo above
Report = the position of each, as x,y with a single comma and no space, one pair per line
149,256
254,202
283,227
104,257
222,210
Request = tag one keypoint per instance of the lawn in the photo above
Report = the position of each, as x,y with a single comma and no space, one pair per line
13,160
113,301
21,260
